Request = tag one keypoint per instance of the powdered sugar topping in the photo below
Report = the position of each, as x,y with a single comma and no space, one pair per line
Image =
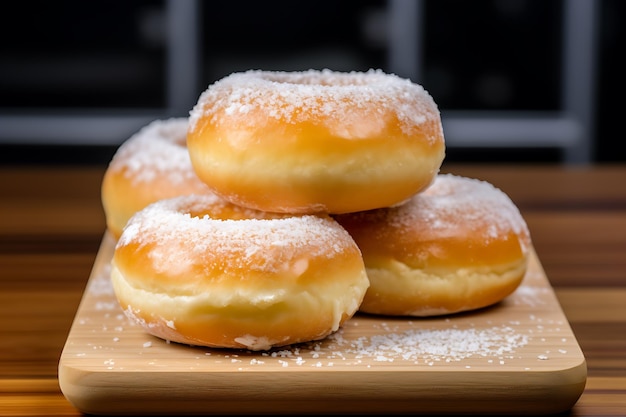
452,202
159,149
316,96
184,233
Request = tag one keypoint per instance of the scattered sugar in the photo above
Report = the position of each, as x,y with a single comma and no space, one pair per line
453,344
340,98
529,295
427,347
109,305
100,284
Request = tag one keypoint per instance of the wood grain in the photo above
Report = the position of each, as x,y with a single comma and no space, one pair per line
51,226
519,354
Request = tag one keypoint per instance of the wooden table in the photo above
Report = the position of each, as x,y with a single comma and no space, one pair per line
52,223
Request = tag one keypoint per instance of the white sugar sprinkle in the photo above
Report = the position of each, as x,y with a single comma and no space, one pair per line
259,244
157,151
453,344
452,202
295,97
424,346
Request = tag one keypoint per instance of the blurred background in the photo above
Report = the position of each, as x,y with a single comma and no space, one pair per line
526,81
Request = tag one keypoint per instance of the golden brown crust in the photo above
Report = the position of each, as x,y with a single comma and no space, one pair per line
459,245
255,282
315,141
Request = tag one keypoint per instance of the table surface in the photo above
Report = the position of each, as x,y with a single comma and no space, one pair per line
52,223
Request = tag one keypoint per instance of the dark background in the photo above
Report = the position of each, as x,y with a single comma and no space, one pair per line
109,57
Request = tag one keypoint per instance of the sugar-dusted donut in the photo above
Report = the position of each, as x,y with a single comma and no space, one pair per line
150,165
199,271
315,141
459,245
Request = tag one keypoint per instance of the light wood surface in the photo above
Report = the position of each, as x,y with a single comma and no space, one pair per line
51,227
518,355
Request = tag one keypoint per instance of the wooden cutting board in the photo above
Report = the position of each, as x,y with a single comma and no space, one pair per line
517,357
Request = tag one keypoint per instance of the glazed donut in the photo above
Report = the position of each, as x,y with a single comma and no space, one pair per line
459,245
315,141
151,165
199,271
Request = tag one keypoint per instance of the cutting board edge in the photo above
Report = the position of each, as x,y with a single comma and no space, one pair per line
539,391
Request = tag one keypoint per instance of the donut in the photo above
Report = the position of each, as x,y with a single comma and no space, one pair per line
151,165
315,141
200,271
459,245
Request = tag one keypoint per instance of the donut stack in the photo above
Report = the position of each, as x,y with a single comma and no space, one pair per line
300,199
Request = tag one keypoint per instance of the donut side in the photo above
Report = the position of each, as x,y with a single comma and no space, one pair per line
249,283
316,141
460,245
